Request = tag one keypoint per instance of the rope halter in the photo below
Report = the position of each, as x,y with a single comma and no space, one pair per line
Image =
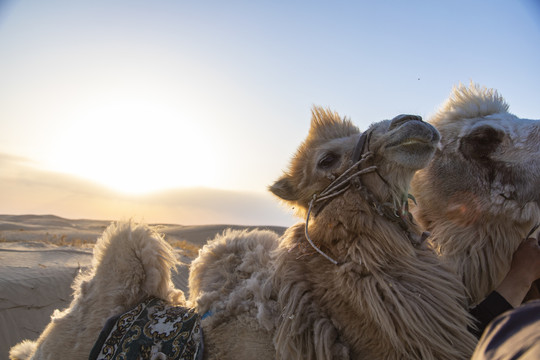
342,183
396,213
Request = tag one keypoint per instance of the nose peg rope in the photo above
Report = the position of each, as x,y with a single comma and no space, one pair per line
307,234
334,189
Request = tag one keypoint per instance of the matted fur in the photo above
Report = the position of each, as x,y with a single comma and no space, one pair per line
386,299
479,196
229,284
130,263
230,275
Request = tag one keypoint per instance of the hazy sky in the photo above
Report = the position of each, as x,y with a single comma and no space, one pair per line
145,96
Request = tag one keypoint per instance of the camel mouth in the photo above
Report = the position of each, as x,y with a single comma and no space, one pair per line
413,135
413,145
415,142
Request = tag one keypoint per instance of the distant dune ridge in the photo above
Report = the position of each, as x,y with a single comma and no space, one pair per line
27,189
41,254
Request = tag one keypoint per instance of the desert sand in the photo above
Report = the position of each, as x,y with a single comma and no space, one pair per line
40,255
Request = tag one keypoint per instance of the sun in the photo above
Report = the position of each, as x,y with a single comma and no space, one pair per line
135,147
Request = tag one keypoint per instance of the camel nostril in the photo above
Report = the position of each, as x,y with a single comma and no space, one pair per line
403,118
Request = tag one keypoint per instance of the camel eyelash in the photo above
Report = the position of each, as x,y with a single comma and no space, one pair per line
328,160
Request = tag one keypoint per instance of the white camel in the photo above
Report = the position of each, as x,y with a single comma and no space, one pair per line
479,196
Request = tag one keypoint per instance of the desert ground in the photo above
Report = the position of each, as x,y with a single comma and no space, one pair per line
41,254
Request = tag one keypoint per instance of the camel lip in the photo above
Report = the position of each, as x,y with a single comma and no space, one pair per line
413,141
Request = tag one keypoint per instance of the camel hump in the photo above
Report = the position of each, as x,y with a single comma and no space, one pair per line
136,261
234,263
23,350
467,102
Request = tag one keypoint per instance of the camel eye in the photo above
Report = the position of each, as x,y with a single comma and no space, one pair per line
328,160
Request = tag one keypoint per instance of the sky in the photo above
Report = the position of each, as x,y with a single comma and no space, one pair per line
185,111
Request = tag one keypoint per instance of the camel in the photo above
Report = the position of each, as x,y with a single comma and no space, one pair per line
130,263
479,196
355,280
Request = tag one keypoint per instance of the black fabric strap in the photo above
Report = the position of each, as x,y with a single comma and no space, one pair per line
102,337
491,307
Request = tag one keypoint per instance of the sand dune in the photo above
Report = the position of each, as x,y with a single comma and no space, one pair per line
41,254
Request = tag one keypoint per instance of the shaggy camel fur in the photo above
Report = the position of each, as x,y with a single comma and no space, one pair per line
479,196
130,263
229,284
367,288
355,281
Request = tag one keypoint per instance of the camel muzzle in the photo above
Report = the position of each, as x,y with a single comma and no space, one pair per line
363,143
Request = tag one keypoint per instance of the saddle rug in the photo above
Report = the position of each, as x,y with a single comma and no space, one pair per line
153,330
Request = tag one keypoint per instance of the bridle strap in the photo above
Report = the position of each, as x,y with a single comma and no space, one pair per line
360,146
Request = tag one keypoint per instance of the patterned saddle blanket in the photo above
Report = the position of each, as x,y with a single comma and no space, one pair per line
153,330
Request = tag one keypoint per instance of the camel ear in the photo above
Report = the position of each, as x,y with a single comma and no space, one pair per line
284,189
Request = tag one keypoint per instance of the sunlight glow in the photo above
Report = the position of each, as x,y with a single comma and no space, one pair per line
135,146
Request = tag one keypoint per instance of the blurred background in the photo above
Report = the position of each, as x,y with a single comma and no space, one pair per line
185,111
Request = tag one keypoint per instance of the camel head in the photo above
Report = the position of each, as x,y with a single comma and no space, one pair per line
337,159
488,164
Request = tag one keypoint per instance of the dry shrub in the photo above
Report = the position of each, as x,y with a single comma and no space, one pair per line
188,249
